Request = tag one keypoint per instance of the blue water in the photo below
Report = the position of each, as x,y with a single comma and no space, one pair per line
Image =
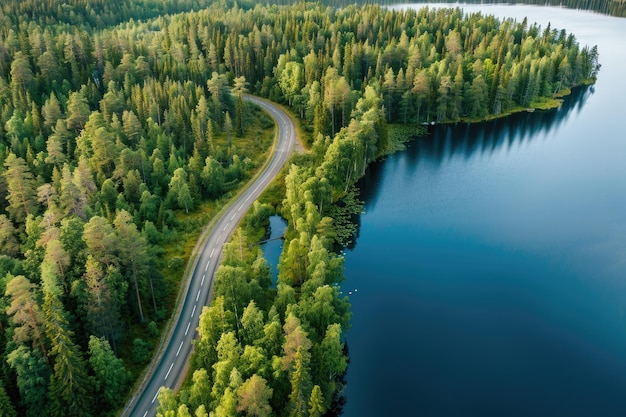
273,247
491,261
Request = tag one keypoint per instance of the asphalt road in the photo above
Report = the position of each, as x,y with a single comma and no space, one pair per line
172,366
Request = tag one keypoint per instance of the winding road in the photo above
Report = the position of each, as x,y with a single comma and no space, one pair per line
172,364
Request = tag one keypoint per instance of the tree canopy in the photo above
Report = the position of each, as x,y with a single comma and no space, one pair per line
119,119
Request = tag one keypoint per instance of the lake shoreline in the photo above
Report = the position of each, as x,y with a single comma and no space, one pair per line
544,104
499,290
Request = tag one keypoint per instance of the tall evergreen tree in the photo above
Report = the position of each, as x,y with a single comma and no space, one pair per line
21,188
70,390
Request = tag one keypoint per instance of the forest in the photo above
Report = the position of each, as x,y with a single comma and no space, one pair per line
609,7
121,123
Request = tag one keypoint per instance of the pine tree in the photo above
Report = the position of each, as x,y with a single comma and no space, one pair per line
254,396
316,402
300,380
70,389
33,376
111,379
77,112
26,313
21,187
133,245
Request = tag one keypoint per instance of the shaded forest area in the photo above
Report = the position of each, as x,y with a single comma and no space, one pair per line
95,14
111,135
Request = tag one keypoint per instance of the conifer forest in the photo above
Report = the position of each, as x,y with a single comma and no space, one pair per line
124,128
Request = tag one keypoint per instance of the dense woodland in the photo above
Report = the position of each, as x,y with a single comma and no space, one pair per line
111,135
608,7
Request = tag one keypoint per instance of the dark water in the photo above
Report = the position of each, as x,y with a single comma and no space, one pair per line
491,261
273,247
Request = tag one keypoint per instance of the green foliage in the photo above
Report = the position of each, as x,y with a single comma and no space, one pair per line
179,191
26,313
111,379
70,389
33,374
400,134
114,135
257,220
214,321
300,383
343,214
316,402
254,396
200,390
273,357
142,351
20,187
6,408
167,403
153,328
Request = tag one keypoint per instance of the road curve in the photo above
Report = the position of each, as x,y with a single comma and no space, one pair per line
171,368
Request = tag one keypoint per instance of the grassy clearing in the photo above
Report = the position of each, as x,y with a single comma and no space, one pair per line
546,104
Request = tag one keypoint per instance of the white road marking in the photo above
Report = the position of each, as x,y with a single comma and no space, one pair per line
207,266
169,370
194,310
156,395
287,129
211,255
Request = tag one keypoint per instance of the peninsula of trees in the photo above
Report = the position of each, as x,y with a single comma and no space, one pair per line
118,120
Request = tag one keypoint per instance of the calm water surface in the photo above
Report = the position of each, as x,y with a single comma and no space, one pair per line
491,261
273,247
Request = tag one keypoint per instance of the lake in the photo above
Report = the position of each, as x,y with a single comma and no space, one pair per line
491,261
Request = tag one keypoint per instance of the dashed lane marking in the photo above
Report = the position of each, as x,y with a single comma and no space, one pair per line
194,310
198,296
156,395
187,331
211,255
179,348
202,283
169,370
